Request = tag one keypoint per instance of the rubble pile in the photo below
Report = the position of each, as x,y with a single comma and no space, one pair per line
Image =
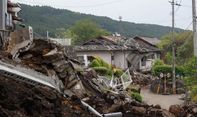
142,79
79,85
184,111
19,99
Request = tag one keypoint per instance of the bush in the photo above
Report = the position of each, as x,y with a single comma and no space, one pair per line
103,71
118,72
195,98
158,62
98,62
136,96
167,69
95,63
190,81
194,91
190,67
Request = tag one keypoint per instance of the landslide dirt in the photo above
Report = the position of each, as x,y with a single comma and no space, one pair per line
18,99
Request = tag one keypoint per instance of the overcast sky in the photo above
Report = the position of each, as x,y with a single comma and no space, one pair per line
138,11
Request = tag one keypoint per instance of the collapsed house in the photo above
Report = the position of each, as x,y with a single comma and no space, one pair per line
121,53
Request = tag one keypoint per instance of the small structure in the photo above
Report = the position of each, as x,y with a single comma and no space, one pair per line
119,52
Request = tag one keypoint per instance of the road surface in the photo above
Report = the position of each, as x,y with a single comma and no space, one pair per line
163,100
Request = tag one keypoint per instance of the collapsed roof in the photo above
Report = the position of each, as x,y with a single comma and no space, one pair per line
112,43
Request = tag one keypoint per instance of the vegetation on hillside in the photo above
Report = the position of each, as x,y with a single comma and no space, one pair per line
58,20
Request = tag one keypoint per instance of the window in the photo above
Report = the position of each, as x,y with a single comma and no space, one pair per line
143,61
112,57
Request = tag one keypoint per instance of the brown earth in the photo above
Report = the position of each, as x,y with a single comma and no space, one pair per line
22,100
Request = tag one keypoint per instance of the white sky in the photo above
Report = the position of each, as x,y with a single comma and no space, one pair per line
138,11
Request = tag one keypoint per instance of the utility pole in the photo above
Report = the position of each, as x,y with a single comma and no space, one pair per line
194,26
47,34
120,25
173,50
3,12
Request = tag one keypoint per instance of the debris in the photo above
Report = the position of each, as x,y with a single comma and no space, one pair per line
184,111
142,79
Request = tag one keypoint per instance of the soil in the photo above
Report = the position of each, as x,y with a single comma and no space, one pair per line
22,100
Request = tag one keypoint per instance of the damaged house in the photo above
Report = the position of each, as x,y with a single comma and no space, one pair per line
121,53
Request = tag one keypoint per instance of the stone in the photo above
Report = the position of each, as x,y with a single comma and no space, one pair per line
180,90
138,110
166,113
158,106
177,110
194,110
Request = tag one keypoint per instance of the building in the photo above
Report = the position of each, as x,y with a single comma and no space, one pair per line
121,53
149,52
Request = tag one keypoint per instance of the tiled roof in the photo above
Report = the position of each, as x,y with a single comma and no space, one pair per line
153,41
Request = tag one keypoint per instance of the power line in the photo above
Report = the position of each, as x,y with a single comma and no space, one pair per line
178,6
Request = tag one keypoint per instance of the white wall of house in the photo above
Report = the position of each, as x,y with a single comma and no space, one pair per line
117,58
105,55
120,59
147,66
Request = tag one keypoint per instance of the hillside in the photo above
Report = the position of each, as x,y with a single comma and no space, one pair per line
51,19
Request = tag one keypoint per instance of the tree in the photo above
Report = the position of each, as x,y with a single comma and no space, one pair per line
183,50
84,30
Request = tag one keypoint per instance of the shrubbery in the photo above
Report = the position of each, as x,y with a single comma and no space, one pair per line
103,68
194,93
136,96
118,72
191,67
167,69
190,81
103,71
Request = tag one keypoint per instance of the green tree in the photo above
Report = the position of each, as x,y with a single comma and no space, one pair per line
191,67
84,30
183,50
